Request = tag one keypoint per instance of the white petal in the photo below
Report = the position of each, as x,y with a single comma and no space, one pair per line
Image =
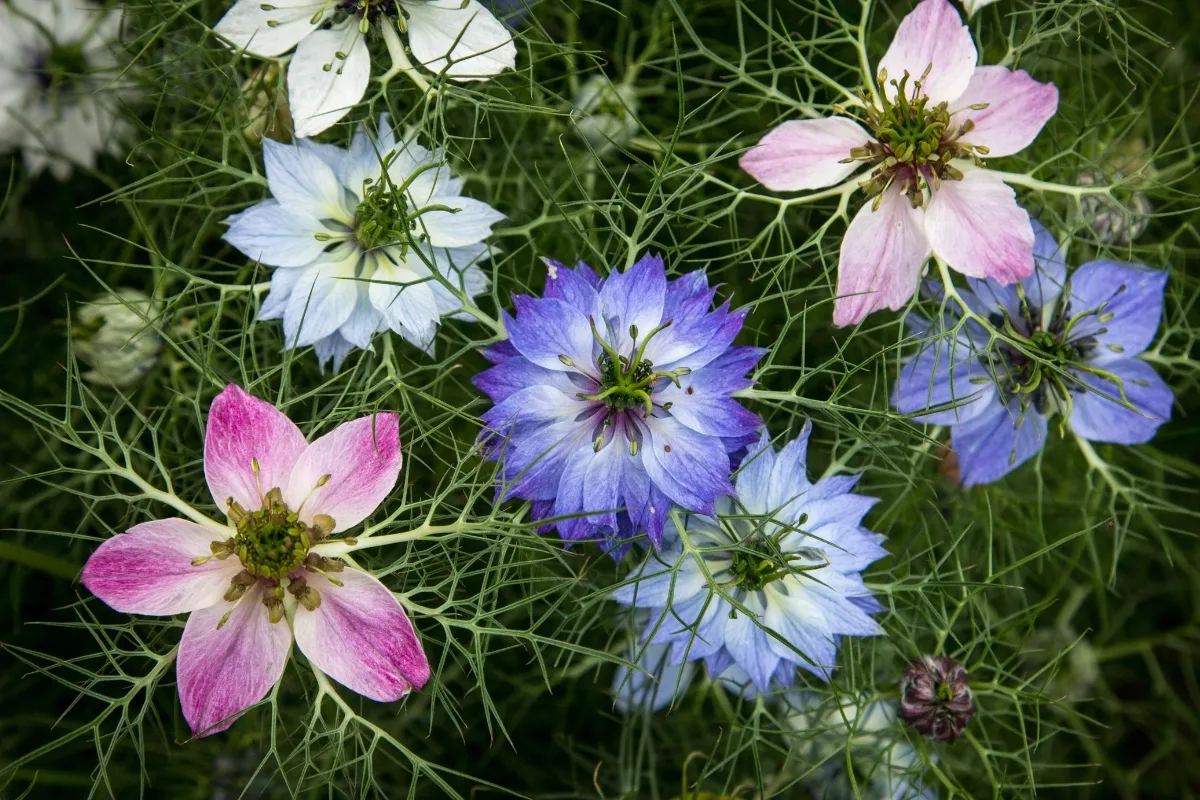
270,234
321,302
271,32
484,48
402,293
327,77
303,183
470,224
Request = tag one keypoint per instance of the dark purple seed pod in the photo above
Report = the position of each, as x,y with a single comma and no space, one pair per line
935,698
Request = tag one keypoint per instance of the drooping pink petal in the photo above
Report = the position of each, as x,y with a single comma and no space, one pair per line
360,636
148,570
1017,109
222,671
976,226
805,154
932,34
882,255
242,428
362,459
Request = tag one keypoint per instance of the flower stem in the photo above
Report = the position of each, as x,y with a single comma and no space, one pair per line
400,62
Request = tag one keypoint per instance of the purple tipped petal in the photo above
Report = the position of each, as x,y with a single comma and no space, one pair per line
243,430
932,37
1130,299
548,329
360,636
976,226
1098,416
149,569
1017,109
356,465
690,468
997,441
225,665
805,154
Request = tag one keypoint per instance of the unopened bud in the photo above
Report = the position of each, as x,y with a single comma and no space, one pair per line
935,698
115,336
605,113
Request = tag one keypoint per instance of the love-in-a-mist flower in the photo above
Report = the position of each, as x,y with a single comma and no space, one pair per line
936,698
357,236
788,551
270,577
59,88
331,67
1071,349
614,399
923,134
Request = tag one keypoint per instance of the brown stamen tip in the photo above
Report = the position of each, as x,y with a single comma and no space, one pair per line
310,599
322,525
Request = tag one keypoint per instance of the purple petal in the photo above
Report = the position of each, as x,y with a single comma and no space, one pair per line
360,636
690,468
1018,107
997,441
1097,416
149,570
947,372
636,297
549,328
1131,293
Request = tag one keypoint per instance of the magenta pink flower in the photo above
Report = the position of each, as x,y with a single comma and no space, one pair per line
254,586
936,116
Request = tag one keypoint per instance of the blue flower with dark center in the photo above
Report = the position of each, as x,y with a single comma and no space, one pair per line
773,582
614,400
1071,348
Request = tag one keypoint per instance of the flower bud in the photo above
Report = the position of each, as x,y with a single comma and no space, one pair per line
1115,221
265,106
605,114
935,698
112,336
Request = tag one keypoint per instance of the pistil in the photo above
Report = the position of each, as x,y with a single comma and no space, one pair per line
627,382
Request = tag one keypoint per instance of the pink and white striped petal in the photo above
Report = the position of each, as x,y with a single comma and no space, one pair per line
148,569
362,459
1018,107
881,259
241,429
805,154
360,636
976,226
932,37
223,671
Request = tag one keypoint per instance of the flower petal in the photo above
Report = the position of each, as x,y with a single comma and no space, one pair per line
635,297
327,77
270,29
405,298
690,468
976,226
1097,416
323,298
242,429
360,636
1017,109
1131,293
470,224
881,259
805,154
974,5
549,328
932,37
148,569
270,234
654,685
946,372
482,45
362,459
224,670
997,441
303,183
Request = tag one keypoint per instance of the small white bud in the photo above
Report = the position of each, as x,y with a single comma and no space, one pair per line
605,114
111,335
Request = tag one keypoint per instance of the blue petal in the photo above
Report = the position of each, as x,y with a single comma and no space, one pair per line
546,329
1099,419
997,441
750,647
1131,293
947,372
270,234
636,297
688,467
789,479
514,374
572,286
332,347
303,183
1044,286
754,476
635,690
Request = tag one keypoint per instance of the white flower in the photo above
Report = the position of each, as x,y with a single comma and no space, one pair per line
356,246
52,107
331,67
114,336
605,114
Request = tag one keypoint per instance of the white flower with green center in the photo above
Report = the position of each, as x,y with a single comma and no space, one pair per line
58,98
357,236
331,66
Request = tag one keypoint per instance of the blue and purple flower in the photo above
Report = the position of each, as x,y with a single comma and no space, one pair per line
614,400
789,553
1071,347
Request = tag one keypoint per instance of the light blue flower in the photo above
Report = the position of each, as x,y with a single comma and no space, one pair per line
356,246
788,551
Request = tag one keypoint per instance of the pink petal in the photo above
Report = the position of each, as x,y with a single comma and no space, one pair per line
933,33
882,255
362,458
242,428
805,154
976,226
223,671
1018,108
360,636
148,570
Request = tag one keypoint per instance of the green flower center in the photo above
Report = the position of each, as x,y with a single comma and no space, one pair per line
760,562
271,542
63,65
627,382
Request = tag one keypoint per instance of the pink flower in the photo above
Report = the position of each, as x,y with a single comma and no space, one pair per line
252,591
938,114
